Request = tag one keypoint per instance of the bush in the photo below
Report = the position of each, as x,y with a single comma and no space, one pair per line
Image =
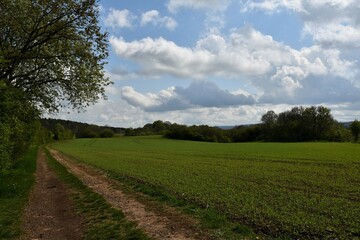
18,124
107,133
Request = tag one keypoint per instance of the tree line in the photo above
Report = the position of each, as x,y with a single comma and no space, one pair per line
65,129
296,125
303,124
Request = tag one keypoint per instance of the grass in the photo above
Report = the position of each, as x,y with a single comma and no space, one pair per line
102,221
15,186
285,190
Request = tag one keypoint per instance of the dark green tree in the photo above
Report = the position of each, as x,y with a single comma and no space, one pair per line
107,133
53,51
269,121
324,120
355,129
302,124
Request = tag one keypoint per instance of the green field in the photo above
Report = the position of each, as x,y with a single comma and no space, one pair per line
306,190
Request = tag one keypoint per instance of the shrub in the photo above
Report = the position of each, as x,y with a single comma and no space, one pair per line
107,133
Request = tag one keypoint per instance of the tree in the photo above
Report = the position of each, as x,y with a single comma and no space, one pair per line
61,133
302,124
355,129
269,118
18,124
269,121
53,51
324,122
107,133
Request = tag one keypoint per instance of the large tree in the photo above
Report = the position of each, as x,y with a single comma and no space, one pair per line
53,51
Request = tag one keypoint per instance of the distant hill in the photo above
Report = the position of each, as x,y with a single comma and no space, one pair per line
346,124
225,127
78,128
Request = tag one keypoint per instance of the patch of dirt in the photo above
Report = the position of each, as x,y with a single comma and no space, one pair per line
50,214
168,223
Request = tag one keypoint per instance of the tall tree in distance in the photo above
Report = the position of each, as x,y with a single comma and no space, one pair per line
355,129
53,51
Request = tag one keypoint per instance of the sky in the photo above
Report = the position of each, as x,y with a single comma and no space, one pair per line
226,62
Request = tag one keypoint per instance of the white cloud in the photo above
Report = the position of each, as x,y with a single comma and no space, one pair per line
333,34
139,100
120,114
244,54
273,5
330,23
220,5
302,6
153,17
119,18
198,94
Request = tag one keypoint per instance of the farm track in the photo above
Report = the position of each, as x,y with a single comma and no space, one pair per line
156,221
50,214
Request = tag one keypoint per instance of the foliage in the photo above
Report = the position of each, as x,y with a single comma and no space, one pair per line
197,133
51,53
298,124
57,55
355,129
246,133
42,135
156,128
107,133
61,133
15,186
81,130
299,190
302,124
18,124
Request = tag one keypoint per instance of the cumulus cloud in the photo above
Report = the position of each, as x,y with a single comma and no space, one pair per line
244,54
198,94
273,5
119,18
303,6
126,19
119,113
333,34
220,5
330,23
153,17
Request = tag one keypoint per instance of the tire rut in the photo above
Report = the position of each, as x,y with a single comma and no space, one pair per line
167,224
50,213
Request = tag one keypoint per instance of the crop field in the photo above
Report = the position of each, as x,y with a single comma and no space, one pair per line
299,190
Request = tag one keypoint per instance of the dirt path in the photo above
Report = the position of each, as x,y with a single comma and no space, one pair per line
165,224
50,214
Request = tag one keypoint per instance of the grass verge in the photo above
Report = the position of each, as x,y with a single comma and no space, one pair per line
102,221
15,186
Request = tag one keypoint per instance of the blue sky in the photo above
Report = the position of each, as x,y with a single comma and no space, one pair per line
227,62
